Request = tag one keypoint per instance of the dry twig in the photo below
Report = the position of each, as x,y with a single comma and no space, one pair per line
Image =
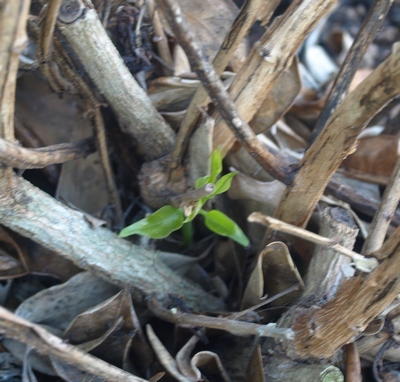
102,62
353,364
338,139
365,35
268,60
321,331
238,328
361,262
217,92
13,15
36,337
238,30
33,213
45,45
159,38
383,216
19,157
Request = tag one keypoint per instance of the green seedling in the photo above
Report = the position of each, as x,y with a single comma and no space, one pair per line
168,219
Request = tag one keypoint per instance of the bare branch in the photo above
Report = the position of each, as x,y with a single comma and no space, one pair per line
238,30
383,216
365,264
13,15
23,158
365,35
134,110
45,44
338,139
33,213
188,40
268,60
321,331
238,328
159,37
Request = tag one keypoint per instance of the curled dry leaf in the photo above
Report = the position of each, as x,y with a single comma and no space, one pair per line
112,324
266,193
57,306
209,364
172,93
183,359
286,138
164,356
274,272
278,100
254,372
375,157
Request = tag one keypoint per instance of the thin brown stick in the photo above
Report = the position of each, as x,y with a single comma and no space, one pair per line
36,337
268,60
293,288
238,328
361,262
321,331
353,364
214,86
338,139
13,16
365,35
22,158
238,30
383,216
45,45
101,143
28,138
159,38
356,199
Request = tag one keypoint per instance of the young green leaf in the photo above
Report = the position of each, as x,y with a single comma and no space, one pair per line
158,225
216,165
223,184
200,182
221,224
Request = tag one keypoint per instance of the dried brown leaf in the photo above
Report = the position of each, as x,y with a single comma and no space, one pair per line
273,273
374,156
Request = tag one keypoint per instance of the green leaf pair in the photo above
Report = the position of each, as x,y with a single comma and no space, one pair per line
158,225
168,219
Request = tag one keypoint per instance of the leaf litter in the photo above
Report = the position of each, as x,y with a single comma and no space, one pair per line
100,318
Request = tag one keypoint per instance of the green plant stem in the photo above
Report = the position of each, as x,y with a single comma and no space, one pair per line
187,232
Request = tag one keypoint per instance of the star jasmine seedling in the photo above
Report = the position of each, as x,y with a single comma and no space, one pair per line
168,219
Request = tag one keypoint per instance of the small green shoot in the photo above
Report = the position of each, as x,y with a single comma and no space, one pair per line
168,219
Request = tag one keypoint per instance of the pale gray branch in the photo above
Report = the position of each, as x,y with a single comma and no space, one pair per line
36,215
102,62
